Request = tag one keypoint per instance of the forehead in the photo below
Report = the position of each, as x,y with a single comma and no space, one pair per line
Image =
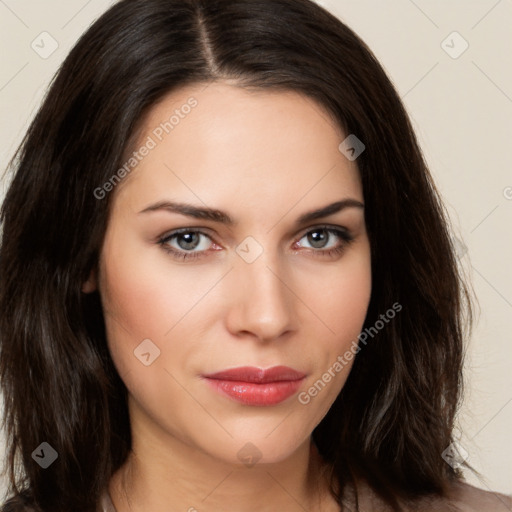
222,144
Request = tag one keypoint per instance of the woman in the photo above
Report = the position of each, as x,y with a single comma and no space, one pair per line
227,281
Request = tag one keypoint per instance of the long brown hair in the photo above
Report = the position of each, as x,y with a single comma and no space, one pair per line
392,420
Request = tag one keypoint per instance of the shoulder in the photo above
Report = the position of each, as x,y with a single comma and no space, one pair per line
467,498
15,505
20,502
461,497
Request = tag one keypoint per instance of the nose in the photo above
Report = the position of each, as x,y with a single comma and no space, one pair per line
261,300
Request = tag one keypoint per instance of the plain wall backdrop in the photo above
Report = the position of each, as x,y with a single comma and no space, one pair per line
450,62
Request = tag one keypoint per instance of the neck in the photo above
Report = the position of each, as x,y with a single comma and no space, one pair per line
175,476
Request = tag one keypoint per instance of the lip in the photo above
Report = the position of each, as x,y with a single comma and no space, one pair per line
257,386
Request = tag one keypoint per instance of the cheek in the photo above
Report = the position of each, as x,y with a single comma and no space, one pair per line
343,301
342,308
351,297
145,297
135,309
143,291
139,301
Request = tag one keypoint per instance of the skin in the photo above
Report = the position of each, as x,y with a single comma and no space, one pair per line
265,158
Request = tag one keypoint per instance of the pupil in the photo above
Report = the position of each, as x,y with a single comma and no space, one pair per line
191,240
317,238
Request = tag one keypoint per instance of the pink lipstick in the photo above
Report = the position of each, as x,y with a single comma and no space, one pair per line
256,386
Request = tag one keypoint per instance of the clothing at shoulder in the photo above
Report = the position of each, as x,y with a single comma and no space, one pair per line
105,504
472,499
462,497
19,503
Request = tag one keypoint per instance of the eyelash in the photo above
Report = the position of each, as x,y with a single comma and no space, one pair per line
344,235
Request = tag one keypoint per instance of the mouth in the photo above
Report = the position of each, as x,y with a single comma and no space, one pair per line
255,386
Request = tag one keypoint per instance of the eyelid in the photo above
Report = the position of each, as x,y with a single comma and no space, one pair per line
333,227
207,231
341,232
193,229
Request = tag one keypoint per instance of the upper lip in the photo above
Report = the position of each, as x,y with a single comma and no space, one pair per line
258,375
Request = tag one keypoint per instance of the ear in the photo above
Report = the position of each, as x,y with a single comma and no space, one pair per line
91,284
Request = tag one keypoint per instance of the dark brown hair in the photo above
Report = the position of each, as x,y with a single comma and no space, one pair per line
393,418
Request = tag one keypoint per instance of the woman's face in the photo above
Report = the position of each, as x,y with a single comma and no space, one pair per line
255,279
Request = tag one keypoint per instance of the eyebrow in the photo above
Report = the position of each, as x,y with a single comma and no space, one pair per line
215,215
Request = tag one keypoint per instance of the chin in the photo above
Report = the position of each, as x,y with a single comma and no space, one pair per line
244,450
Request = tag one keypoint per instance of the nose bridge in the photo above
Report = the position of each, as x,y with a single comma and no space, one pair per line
263,304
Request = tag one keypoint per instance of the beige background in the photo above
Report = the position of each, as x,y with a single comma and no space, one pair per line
461,106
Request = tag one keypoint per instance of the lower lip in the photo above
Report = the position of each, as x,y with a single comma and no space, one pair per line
250,393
